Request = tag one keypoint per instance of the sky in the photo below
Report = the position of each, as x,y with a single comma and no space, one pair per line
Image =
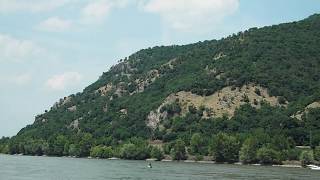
53,48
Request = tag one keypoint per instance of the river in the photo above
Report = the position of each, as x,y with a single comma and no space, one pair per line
59,168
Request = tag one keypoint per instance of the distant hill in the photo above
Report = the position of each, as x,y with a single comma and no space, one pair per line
257,83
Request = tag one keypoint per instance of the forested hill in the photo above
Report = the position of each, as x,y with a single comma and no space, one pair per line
260,85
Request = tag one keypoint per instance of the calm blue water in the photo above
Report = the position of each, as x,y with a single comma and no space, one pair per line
54,168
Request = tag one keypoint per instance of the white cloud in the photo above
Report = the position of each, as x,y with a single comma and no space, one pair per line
191,15
61,81
54,24
22,79
97,11
17,79
7,6
13,49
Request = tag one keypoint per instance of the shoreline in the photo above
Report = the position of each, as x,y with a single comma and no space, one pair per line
168,160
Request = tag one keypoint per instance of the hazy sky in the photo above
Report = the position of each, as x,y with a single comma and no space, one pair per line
52,48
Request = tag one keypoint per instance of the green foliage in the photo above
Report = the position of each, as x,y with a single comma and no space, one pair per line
197,144
257,91
312,120
281,100
267,155
199,157
280,142
137,149
59,145
74,150
171,109
4,149
225,148
293,154
316,153
178,152
306,158
167,147
128,151
35,147
157,153
248,152
85,144
101,152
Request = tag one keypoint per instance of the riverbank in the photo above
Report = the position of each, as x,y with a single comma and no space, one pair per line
285,164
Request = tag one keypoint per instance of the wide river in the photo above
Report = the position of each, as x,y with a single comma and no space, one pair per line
54,168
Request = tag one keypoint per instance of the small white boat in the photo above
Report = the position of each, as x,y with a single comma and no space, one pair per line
313,167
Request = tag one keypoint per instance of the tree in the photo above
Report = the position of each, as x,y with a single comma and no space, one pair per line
196,144
74,150
316,153
135,151
58,145
167,147
267,155
4,149
306,158
85,144
225,148
178,152
248,152
293,154
312,119
157,153
66,149
101,152
13,148
280,142
107,152
128,151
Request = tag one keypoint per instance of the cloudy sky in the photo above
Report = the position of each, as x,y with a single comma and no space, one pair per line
52,48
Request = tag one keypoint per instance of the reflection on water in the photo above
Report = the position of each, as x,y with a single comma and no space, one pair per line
54,168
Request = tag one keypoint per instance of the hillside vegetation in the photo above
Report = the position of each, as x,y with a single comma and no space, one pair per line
245,93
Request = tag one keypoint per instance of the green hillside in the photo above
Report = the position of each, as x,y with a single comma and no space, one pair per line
255,91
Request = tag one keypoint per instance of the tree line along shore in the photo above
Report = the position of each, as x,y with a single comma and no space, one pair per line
222,148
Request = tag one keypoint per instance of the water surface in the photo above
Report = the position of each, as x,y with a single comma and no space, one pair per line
55,168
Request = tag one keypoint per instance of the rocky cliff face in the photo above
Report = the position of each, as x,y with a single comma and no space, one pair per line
221,103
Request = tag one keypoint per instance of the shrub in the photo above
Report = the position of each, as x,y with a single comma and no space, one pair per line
171,109
101,152
133,151
316,153
4,149
199,157
281,100
257,91
293,154
306,158
178,152
128,151
225,148
157,153
74,150
196,144
268,156
167,148
246,98
248,152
